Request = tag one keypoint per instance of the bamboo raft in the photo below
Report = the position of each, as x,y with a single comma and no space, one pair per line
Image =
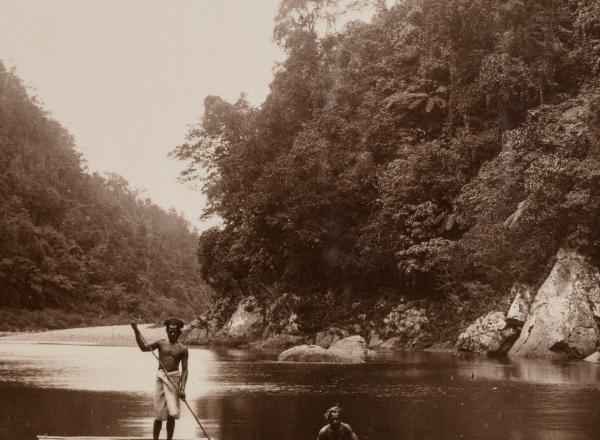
80,437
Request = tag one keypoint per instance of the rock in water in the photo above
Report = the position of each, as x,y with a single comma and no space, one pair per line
353,347
561,322
314,353
488,335
351,350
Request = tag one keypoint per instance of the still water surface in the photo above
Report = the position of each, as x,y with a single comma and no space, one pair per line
95,390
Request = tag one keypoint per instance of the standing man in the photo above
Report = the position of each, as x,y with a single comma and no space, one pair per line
170,383
335,429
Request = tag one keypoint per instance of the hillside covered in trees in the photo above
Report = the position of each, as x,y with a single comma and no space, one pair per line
443,151
78,248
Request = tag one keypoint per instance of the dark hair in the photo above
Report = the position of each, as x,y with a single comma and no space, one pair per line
175,322
334,410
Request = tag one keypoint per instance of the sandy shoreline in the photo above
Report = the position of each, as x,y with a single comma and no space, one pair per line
121,335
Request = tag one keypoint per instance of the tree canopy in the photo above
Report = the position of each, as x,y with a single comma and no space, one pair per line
77,247
388,155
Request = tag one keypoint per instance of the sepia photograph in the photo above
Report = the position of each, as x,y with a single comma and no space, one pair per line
299,219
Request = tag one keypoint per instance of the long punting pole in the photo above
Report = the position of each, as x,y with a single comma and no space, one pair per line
177,388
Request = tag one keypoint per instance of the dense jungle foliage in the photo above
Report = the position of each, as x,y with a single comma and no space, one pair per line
78,248
444,150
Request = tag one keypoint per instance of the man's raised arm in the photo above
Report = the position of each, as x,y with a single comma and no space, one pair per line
140,339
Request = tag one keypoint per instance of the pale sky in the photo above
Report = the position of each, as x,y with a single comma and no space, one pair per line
128,77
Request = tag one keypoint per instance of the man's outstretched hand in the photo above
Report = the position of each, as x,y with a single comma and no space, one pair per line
134,326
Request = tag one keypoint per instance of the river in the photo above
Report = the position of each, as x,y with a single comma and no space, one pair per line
100,391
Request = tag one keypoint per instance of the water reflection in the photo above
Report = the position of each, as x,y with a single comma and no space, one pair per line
575,373
89,390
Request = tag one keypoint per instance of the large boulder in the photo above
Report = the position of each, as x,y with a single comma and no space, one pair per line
354,347
327,337
488,335
561,322
519,309
245,325
314,353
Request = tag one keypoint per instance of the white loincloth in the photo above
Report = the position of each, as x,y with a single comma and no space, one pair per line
166,396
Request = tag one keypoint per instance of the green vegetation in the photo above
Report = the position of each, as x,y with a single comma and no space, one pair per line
76,248
388,156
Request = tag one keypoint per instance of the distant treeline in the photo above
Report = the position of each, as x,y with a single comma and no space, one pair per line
390,156
78,248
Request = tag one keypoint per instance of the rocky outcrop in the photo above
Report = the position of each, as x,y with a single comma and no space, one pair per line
201,331
245,325
274,327
488,335
519,309
196,336
561,322
406,327
230,324
327,337
351,350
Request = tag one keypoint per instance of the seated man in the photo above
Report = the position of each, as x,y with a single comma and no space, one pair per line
335,429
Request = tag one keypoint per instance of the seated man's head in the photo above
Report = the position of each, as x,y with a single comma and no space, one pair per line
173,327
333,416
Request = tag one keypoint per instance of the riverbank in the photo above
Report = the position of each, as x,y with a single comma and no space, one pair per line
120,335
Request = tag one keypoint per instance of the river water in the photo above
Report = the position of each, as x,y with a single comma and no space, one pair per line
100,391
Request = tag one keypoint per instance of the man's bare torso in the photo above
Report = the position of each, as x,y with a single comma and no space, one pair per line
170,354
343,433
